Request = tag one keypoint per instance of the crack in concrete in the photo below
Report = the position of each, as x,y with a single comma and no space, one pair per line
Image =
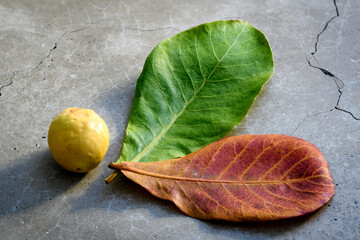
303,120
325,27
339,83
49,53
73,31
152,30
8,84
11,80
344,110
87,25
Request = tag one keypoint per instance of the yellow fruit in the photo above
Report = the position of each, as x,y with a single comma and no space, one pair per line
78,139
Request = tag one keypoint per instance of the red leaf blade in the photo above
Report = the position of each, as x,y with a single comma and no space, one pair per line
241,178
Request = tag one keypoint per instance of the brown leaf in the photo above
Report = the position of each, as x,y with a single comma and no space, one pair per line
241,178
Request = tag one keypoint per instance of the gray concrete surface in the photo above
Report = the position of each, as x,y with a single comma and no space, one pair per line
57,54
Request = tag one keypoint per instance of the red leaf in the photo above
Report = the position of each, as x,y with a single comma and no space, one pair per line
241,178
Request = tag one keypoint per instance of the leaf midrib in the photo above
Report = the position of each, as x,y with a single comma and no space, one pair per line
162,133
125,167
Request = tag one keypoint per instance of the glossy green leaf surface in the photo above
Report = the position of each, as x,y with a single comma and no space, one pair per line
194,88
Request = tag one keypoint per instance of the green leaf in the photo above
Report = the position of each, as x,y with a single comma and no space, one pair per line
194,88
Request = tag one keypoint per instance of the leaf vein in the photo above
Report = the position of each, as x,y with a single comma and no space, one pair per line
281,197
161,90
257,157
212,46
189,198
307,169
245,203
213,199
237,78
293,166
139,137
125,167
153,112
147,126
300,190
235,158
187,165
281,159
182,63
212,157
319,184
244,52
197,57
208,109
261,199
177,82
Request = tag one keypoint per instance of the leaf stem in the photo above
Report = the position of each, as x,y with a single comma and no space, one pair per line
112,176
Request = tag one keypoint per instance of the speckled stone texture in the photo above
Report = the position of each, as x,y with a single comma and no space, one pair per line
57,54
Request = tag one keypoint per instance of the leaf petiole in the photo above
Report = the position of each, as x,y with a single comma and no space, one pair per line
112,176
